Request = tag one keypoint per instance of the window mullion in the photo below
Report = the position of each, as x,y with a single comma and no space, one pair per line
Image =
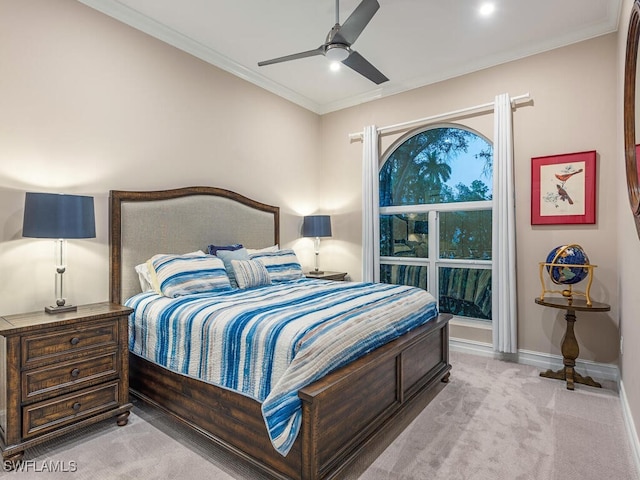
442,207
434,252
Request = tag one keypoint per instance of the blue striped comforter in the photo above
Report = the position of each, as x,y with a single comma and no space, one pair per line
268,342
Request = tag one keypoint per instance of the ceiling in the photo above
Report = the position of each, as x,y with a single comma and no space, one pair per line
413,42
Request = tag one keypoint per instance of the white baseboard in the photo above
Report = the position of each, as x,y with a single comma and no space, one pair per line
543,361
471,346
632,433
599,371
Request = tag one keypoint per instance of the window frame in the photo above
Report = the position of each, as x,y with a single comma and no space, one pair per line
433,262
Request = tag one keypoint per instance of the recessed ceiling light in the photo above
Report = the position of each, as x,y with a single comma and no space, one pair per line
334,66
487,9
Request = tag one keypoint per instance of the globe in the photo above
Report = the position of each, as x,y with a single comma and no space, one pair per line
559,261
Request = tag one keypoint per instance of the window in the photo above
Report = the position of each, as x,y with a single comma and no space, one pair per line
435,218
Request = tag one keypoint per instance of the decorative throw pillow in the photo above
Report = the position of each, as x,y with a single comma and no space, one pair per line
187,274
226,256
250,273
282,265
214,249
147,278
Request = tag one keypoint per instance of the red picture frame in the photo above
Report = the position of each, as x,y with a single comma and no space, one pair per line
563,189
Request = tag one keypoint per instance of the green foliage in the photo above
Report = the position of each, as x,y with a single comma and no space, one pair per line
466,234
417,171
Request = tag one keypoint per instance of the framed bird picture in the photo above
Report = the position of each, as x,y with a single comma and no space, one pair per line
563,189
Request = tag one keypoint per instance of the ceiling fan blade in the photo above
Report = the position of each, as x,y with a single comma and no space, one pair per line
354,25
357,62
295,56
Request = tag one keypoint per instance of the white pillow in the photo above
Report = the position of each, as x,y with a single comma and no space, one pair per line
273,248
144,277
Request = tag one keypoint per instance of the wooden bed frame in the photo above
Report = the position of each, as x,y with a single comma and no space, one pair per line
342,413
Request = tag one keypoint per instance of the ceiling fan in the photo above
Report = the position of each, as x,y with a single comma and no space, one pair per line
337,46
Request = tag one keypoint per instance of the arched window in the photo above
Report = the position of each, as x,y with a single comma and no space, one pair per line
435,217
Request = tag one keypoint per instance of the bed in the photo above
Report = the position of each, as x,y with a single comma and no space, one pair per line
341,413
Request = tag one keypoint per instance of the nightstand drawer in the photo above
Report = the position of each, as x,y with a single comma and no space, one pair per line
38,348
77,373
49,415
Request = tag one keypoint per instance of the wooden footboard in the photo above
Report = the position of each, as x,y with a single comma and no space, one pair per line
342,413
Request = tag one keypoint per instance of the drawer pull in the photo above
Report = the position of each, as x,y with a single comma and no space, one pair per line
76,406
75,341
75,372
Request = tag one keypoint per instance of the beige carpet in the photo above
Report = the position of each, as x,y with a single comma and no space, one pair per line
495,420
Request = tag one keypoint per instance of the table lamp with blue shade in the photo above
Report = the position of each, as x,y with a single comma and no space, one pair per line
316,226
57,216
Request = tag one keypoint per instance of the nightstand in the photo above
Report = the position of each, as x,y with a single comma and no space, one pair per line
327,275
63,371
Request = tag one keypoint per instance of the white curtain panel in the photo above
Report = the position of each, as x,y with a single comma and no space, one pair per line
370,206
504,304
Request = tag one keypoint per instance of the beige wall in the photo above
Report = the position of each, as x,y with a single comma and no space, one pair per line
629,248
88,104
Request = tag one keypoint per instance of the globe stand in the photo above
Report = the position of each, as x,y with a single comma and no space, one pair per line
570,349
567,292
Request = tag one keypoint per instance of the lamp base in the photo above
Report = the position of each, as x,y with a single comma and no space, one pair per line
60,309
316,272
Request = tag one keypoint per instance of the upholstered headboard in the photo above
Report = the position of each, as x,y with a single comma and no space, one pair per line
182,220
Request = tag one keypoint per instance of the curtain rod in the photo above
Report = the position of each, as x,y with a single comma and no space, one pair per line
441,116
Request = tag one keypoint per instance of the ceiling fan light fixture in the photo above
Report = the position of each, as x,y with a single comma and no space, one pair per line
337,53
337,46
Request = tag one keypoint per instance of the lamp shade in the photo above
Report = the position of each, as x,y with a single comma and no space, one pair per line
316,226
52,215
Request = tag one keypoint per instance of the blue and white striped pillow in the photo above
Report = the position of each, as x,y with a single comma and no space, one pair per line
226,256
282,265
250,273
187,274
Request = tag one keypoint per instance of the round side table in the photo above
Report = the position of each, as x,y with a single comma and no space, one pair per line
570,349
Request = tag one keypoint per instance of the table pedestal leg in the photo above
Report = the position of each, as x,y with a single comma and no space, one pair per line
570,351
